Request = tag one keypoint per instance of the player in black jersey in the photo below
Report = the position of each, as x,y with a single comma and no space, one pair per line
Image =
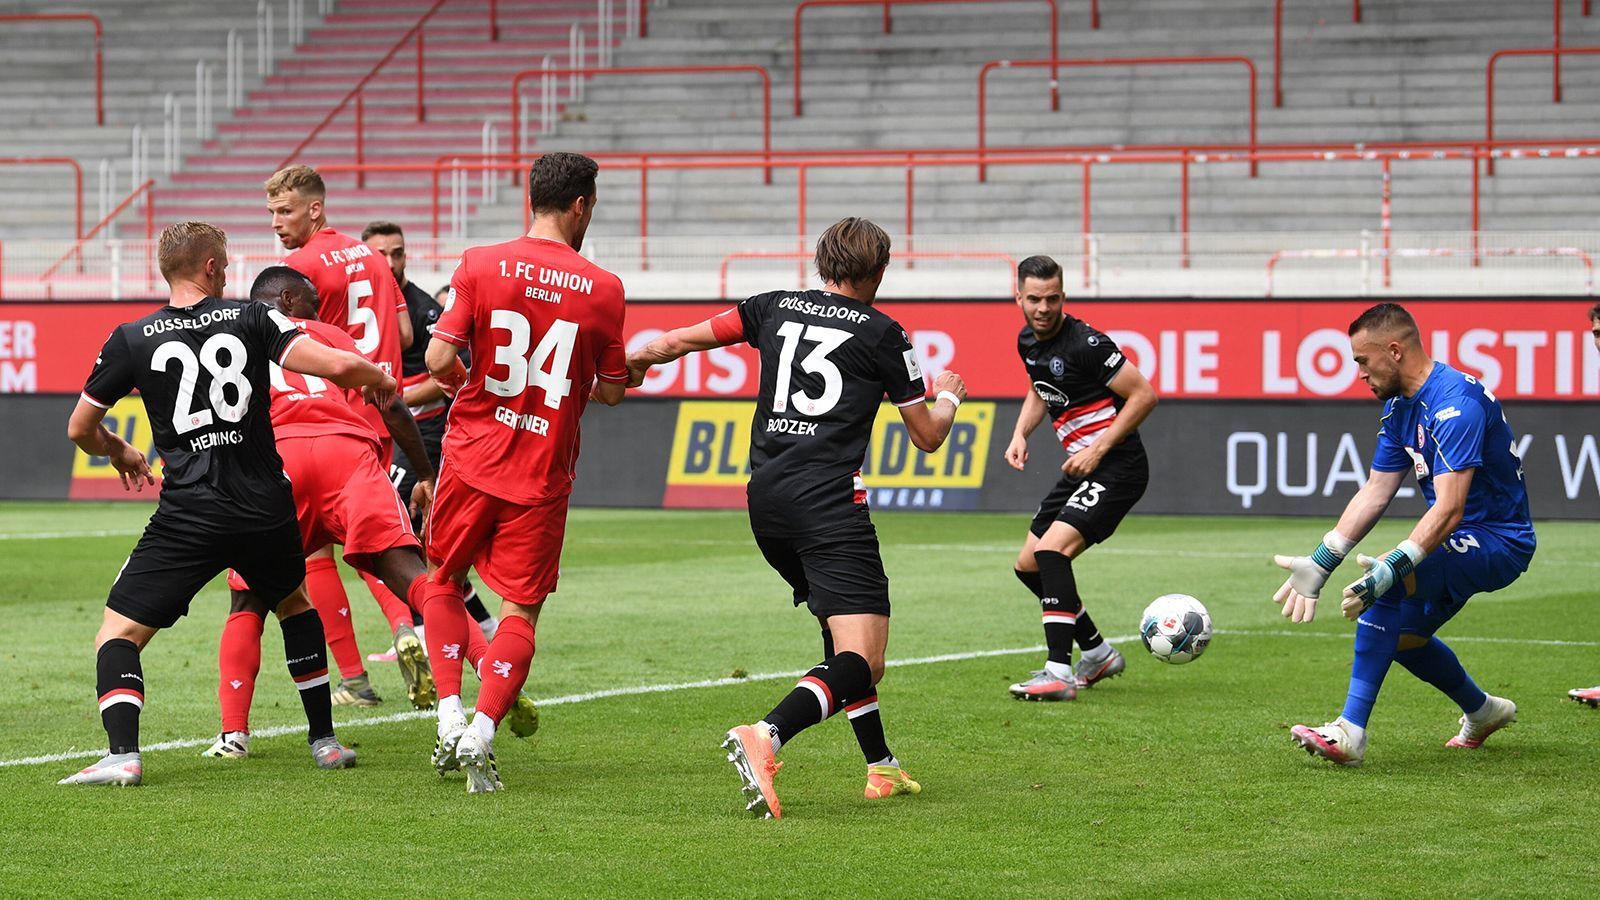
201,366
827,360
1095,402
423,396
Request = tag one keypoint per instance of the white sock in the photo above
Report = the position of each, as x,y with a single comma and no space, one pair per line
421,637
240,736
484,726
1099,653
1358,735
887,761
450,711
488,627
1482,712
772,731
1058,669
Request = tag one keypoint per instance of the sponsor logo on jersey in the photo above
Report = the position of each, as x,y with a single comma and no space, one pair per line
1446,414
710,460
1050,394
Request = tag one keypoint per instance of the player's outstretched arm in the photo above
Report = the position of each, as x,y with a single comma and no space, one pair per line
1139,398
403,428
680,342
1307,574
443,359
928,427
1442,518
348,370
1028,418
84,428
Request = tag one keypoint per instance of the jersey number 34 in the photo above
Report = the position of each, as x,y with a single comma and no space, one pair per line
549,367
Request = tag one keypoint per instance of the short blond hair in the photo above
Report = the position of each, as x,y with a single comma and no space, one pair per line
851,251
185,247
303,180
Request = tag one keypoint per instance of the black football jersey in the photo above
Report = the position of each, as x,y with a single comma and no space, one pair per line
826,363
202,372
1072,372
423,311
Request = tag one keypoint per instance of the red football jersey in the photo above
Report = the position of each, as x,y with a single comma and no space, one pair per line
356,292
308,406
542,323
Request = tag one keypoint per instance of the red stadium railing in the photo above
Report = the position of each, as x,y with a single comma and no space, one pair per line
1277,46
799,11
77,180
99,52
909,256
142,190
1183,157
1494,59
766,92
983,76
1387,253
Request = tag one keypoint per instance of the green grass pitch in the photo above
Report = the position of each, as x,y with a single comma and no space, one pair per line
1165,781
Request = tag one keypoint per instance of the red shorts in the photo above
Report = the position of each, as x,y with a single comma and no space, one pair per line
343,495
516,549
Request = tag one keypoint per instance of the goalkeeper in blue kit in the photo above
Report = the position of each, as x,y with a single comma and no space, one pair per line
1476,536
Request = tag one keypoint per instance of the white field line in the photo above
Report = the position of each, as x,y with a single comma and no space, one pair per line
54,535
639,690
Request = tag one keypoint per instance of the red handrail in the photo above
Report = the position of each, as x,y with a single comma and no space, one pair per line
908,255
1555,58
413,31
149,224
77,178
766,92
1055,31
1495,57
1277,46
983,77
99,52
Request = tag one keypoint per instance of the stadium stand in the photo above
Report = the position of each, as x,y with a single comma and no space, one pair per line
1407,72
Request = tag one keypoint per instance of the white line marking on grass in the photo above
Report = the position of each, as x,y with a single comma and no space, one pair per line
54,535
642,689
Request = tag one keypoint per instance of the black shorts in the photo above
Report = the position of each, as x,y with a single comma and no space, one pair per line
403,472
171,564
1096,505
836,573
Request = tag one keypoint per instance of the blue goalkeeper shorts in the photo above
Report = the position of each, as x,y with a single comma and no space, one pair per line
1474,560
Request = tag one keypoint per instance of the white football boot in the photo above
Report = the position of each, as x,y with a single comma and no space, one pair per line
229,745
122,769
1497,713
475,754
1338,741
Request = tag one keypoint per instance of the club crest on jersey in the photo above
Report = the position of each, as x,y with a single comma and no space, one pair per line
1422,437
1058,366
1050,394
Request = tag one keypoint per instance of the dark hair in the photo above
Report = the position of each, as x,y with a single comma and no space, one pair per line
381,227
558,179
1041,267
1594,312
1386,318
851,251
274,280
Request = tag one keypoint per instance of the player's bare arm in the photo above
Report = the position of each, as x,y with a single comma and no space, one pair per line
673,345
1139,399
403,428
608,392
84,428
348,370
1028,418
1442,518
444,364
1307,574
423,392
407,333
928,427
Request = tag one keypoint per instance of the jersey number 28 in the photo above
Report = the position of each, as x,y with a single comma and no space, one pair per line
550,366
185,417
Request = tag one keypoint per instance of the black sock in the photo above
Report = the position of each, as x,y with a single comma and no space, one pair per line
1030,580
305,647
820,694
120,682
864,718
480,613
1060,604
1088,635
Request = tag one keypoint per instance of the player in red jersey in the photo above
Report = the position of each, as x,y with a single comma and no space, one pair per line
356,292
342,495
544,326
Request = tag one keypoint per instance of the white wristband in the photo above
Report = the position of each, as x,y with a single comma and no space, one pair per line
947,395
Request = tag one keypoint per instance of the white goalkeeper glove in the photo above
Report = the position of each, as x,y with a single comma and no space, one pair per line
1307,574
1382,575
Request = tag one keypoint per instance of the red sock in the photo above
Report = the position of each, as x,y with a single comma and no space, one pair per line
333,608
506,667
446,634
477,646
394,609
239,662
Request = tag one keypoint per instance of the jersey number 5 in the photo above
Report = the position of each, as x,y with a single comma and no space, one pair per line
185,417
550,366
816,363
364,316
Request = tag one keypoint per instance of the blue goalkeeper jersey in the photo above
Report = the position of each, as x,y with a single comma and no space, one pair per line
1454,423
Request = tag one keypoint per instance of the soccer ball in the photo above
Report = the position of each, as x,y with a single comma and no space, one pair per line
1175,628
